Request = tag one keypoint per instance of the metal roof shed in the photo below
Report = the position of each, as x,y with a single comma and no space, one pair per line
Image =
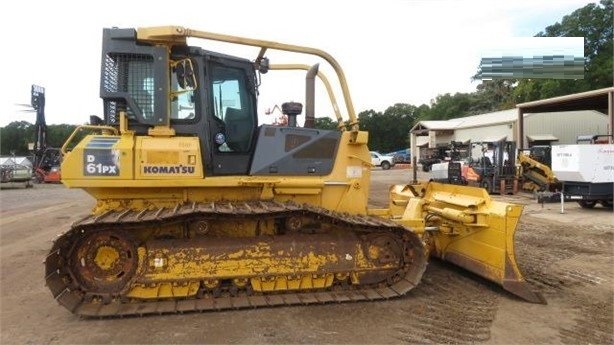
600,100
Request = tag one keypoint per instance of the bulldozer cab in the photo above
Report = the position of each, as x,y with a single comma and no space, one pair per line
167,88
210,96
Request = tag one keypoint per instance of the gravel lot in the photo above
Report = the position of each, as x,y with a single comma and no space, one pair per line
568,257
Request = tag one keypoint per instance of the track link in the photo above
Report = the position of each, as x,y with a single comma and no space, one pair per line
74,296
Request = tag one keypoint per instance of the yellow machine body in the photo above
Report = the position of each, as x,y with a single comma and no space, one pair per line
536,176
144,161
464,226
196,211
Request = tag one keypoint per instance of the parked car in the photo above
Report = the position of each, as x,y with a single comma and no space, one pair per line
380,160
400,156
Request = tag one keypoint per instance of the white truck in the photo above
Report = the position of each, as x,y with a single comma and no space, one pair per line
586,173
380,160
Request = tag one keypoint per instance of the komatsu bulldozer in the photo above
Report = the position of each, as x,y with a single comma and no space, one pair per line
198,207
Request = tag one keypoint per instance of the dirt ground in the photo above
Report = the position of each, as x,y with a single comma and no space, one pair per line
569,257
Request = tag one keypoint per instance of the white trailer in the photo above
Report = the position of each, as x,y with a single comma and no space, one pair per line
586,172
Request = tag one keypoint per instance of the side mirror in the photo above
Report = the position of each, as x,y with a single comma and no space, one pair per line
262,65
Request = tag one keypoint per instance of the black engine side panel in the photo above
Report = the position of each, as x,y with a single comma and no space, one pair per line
295,151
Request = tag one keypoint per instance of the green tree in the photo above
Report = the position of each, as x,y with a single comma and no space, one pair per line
57,134
447,106
422,112
388,130
594,23
324,123
492,95
14,138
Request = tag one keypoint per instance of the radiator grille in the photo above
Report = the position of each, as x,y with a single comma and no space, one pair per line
128,76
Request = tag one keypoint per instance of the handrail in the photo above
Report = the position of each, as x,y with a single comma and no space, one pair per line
81,127
177,35
322,76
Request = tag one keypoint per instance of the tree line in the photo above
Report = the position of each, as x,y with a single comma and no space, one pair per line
15,137
388,130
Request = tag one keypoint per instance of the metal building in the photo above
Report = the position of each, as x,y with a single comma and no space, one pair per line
556,127
601,100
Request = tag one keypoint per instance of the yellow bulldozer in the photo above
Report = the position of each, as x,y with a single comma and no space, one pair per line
201,208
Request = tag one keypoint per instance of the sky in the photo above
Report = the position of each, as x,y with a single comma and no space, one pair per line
391,51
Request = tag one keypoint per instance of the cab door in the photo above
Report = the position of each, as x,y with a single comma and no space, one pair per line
232,117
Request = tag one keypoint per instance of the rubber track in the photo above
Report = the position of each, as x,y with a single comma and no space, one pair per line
68,293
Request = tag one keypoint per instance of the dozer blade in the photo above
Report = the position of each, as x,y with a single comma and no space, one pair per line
468,228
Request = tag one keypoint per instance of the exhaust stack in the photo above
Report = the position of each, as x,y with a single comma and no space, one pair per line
310,96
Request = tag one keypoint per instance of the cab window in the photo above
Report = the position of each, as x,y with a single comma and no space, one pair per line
233,106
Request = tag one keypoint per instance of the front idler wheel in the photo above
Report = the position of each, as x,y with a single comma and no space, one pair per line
104,262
